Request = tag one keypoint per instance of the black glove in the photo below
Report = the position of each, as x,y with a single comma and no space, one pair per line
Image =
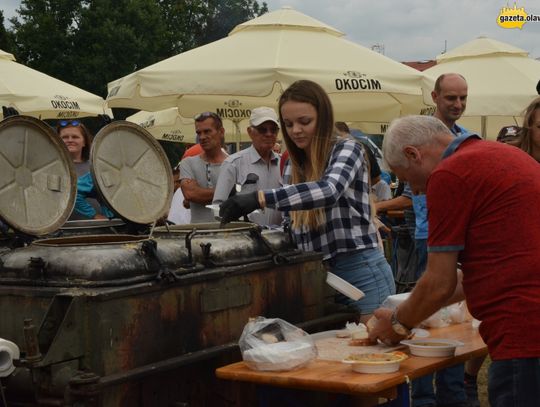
237,206
9,111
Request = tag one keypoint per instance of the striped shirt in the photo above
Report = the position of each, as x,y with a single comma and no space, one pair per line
344,191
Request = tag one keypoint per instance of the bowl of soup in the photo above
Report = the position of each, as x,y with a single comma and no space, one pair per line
375,362
432,347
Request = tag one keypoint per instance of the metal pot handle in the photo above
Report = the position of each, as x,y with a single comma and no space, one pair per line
277,258
149,248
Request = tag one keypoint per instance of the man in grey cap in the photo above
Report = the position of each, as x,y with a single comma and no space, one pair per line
255,168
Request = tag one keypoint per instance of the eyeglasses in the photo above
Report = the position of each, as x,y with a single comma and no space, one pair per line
64,123
205,115
266,129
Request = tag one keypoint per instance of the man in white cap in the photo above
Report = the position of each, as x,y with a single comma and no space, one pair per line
255,168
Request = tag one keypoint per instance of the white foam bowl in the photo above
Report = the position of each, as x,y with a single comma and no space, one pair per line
344,287
444,347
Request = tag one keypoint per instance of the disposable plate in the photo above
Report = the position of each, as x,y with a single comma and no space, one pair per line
377,364
344,287
432,347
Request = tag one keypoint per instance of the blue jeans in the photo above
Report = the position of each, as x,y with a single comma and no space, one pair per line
514,383
449,384
368,270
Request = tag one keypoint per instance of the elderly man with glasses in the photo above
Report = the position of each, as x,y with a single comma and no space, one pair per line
199,174
255,168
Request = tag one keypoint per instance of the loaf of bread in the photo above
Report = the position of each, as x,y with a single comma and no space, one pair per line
361,338
269,338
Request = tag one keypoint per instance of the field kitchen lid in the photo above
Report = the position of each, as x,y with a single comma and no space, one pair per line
131,172
38,183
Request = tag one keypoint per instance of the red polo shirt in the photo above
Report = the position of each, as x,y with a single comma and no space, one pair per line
483,201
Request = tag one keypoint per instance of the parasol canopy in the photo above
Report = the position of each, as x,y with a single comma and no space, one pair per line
262,57
35,94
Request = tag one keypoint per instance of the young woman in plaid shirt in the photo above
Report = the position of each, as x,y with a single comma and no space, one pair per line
327,198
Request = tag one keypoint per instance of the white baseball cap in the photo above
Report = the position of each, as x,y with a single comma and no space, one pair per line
263,114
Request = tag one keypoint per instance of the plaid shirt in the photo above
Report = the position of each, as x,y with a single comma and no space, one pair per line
344,191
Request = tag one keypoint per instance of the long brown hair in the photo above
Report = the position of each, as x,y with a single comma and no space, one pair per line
305,91
525,142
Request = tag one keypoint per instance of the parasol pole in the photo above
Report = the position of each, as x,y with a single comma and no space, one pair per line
483,121
237,133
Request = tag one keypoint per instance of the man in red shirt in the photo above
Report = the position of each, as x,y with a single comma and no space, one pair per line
479,197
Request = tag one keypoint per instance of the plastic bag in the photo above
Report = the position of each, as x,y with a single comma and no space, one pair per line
458,312
439,319
452,314
274,344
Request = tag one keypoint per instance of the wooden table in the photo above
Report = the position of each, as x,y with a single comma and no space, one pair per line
336,377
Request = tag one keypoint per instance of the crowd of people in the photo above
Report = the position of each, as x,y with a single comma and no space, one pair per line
473,237
464,217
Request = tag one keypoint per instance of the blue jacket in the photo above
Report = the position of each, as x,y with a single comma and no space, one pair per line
86,189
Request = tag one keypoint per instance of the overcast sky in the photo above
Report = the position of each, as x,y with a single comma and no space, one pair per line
409,30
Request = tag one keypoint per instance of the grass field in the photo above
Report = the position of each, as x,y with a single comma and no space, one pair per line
482,384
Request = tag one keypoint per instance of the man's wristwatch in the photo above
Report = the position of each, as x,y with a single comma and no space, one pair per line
398,327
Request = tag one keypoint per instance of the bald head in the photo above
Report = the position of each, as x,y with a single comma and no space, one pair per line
450,97
450,77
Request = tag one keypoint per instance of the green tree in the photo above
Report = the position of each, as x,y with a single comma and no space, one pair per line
223,16
6,39
89,43
182,21
117,37
43,33
192,23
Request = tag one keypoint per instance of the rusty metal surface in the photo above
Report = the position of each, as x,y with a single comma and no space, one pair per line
80,260
116,331
101,260
125,320
237,243
180,318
